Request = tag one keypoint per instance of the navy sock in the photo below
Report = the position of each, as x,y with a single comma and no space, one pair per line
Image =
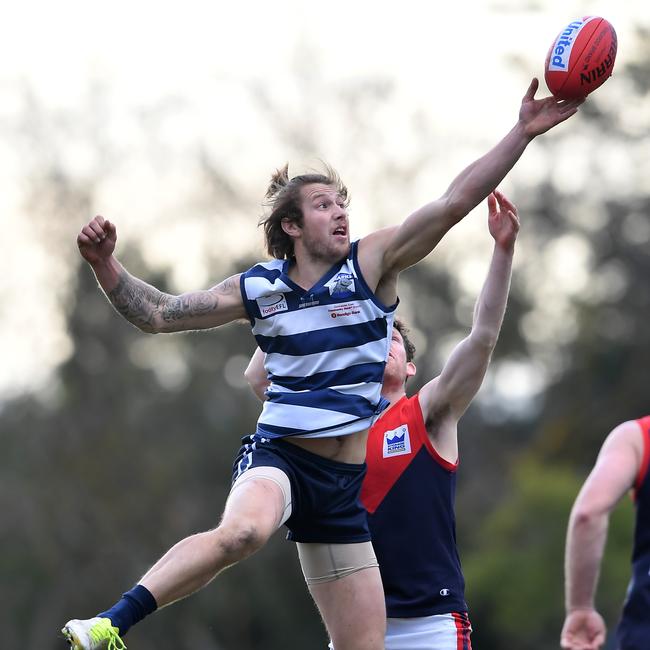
131,608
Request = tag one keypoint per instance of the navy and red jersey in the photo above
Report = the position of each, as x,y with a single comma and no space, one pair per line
633,631
409,492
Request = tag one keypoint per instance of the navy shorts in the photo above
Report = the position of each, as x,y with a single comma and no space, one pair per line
325,493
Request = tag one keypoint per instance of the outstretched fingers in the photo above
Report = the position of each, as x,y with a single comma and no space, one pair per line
505,204
492,205
532,89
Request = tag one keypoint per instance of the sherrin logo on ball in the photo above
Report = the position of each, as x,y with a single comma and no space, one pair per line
581,58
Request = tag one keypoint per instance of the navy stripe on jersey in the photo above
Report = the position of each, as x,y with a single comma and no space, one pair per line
270,272
329,399
325,340
276,431
361,373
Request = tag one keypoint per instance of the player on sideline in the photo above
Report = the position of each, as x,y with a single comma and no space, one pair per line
622,465
310,441
412,458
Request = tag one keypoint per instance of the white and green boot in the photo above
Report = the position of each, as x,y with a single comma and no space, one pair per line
92,634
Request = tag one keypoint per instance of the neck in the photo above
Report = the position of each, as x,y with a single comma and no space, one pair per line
393,394
309,269
306,274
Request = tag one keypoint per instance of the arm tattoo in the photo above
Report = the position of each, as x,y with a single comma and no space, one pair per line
143,305
174,309
136,301
227,287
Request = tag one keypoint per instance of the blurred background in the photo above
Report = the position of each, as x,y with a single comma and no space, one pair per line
168,119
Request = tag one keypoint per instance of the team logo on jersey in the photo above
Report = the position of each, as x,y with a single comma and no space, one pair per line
397,442
341,285
272,304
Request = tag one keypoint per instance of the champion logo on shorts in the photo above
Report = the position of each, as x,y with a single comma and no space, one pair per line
397,442
272,304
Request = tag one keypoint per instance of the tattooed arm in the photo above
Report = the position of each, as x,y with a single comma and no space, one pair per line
145,306
153,311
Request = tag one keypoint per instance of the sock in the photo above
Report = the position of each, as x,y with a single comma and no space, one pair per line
131,608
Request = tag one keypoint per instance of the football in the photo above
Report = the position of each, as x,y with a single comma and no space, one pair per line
581,58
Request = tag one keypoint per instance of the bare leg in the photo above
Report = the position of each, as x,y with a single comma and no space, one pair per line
252,514
353,610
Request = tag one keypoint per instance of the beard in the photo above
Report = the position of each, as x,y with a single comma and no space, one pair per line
324,251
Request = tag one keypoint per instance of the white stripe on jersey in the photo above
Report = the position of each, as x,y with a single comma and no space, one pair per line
283,365
367,390
258,286
292,414
318,317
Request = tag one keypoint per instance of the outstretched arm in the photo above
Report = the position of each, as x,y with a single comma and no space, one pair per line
149,309
613,475
462,375
385,253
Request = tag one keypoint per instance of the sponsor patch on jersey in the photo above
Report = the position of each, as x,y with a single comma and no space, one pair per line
348,309
397,442
272,304
341,285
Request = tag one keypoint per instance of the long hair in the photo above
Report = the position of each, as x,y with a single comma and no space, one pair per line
283,199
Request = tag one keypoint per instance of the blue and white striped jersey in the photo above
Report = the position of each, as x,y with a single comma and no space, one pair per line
325,348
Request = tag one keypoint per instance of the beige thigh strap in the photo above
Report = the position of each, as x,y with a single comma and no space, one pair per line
327,562
273,474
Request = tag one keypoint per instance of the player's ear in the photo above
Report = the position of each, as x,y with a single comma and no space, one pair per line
410,369
290,227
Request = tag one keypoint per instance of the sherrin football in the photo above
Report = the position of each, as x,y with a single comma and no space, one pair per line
581,58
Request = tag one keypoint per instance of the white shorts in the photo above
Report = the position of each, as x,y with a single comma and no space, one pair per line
437,632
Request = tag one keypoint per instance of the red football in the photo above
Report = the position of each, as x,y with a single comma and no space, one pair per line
581,58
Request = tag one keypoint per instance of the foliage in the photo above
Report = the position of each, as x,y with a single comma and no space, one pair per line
130,447
514,568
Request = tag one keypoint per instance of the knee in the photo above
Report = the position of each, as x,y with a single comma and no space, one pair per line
239,539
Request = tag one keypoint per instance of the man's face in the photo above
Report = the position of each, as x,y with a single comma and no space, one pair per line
325,232
398,369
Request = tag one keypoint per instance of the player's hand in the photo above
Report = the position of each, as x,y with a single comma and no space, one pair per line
503,222
539,115
584,629
96,241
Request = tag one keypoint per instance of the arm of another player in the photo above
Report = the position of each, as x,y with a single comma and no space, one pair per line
143,305
613,475
461,377
391,250
256,375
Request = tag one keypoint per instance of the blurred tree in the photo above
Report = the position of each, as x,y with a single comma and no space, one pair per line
131,452
129,447
514,563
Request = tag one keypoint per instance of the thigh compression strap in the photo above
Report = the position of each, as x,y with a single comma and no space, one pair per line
327,562
273,474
